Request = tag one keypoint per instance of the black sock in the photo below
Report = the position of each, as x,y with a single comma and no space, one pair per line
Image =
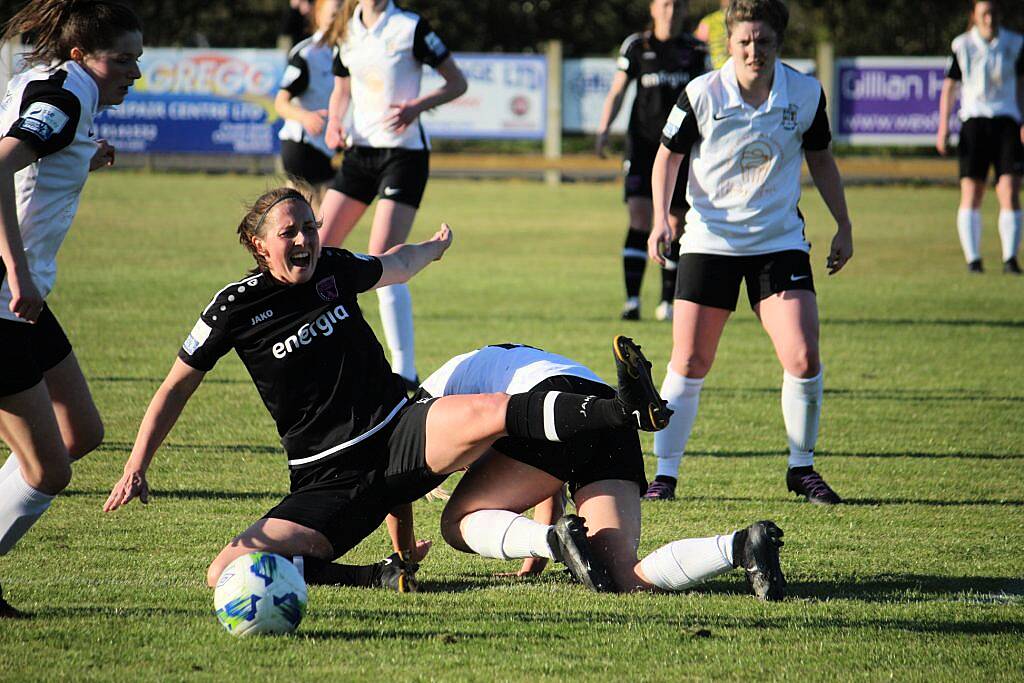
668,273
739,548
634,260
567,415
318,572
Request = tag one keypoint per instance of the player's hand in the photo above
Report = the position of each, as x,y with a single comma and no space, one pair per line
313,121
532,566
402,116
419,553
131,485
942,142
442,239
104,155
335,135
841,251
26,301
660,242
600,142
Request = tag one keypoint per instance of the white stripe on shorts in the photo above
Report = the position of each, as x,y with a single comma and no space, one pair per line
549,416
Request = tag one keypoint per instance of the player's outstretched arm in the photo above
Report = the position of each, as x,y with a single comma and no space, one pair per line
663,184
337,106
946,98
610,109
826,178
401,529
403,261
26,301
161,415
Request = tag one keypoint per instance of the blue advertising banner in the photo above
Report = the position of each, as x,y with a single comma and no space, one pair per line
222,101
198,100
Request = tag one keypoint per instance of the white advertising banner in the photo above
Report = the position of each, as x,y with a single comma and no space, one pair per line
507,98
585,84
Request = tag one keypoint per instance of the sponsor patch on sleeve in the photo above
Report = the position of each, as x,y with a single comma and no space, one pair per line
197,337
675,120
43,120
290,74
435,44
622,63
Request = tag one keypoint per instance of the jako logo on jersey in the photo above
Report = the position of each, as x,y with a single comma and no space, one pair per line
672,79
260,317
323,325
327,289
434,43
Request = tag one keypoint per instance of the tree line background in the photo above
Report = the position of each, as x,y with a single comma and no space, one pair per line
585,27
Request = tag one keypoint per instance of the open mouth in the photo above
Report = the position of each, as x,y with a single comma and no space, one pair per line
301,259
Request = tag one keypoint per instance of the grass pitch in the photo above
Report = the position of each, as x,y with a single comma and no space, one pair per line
916,578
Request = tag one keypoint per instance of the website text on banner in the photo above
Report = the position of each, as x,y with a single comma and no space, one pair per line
222,101
889,100
585,83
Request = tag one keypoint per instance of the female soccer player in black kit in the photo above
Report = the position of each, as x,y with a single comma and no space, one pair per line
662,60
357,448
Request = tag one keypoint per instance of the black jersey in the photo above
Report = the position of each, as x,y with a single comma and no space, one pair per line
661,71
317,364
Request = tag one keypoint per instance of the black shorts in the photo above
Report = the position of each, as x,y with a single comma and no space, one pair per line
714,280
638,166
397,174
348,496
27,351
590,457
305,162
988,143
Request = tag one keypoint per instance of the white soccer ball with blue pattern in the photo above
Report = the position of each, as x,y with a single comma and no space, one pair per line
260,593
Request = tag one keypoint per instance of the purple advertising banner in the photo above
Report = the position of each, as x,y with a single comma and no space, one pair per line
889,100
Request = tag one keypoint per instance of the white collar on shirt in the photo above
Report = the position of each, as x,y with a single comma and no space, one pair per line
985,45
777,98
357,19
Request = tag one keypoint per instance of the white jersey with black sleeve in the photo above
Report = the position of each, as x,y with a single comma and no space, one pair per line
385,62
315,361
744,175
989,72
501,368
52,110
308,79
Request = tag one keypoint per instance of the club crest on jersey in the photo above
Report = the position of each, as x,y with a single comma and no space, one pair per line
327,289
789,117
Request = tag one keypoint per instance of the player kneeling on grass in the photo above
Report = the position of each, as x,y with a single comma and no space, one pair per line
605,474
357,448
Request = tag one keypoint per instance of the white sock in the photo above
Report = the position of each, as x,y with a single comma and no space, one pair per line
683,396
11,465
683,564
968,227
396,317
20,507
1009,233
801,412
504,535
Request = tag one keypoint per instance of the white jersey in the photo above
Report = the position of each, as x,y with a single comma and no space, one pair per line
990,71
308,79
504,368
744,177
385,63
51,109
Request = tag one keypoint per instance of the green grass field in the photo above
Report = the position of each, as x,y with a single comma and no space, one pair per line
916,578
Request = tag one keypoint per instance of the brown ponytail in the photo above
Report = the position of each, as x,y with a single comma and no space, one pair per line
59,25
339,29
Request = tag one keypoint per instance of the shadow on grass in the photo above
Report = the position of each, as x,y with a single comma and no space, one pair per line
872,502
944,395
894,588
114,379
185,494
925,322
126,447
861,454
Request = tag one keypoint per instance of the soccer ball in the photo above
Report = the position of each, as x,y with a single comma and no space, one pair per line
260,593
